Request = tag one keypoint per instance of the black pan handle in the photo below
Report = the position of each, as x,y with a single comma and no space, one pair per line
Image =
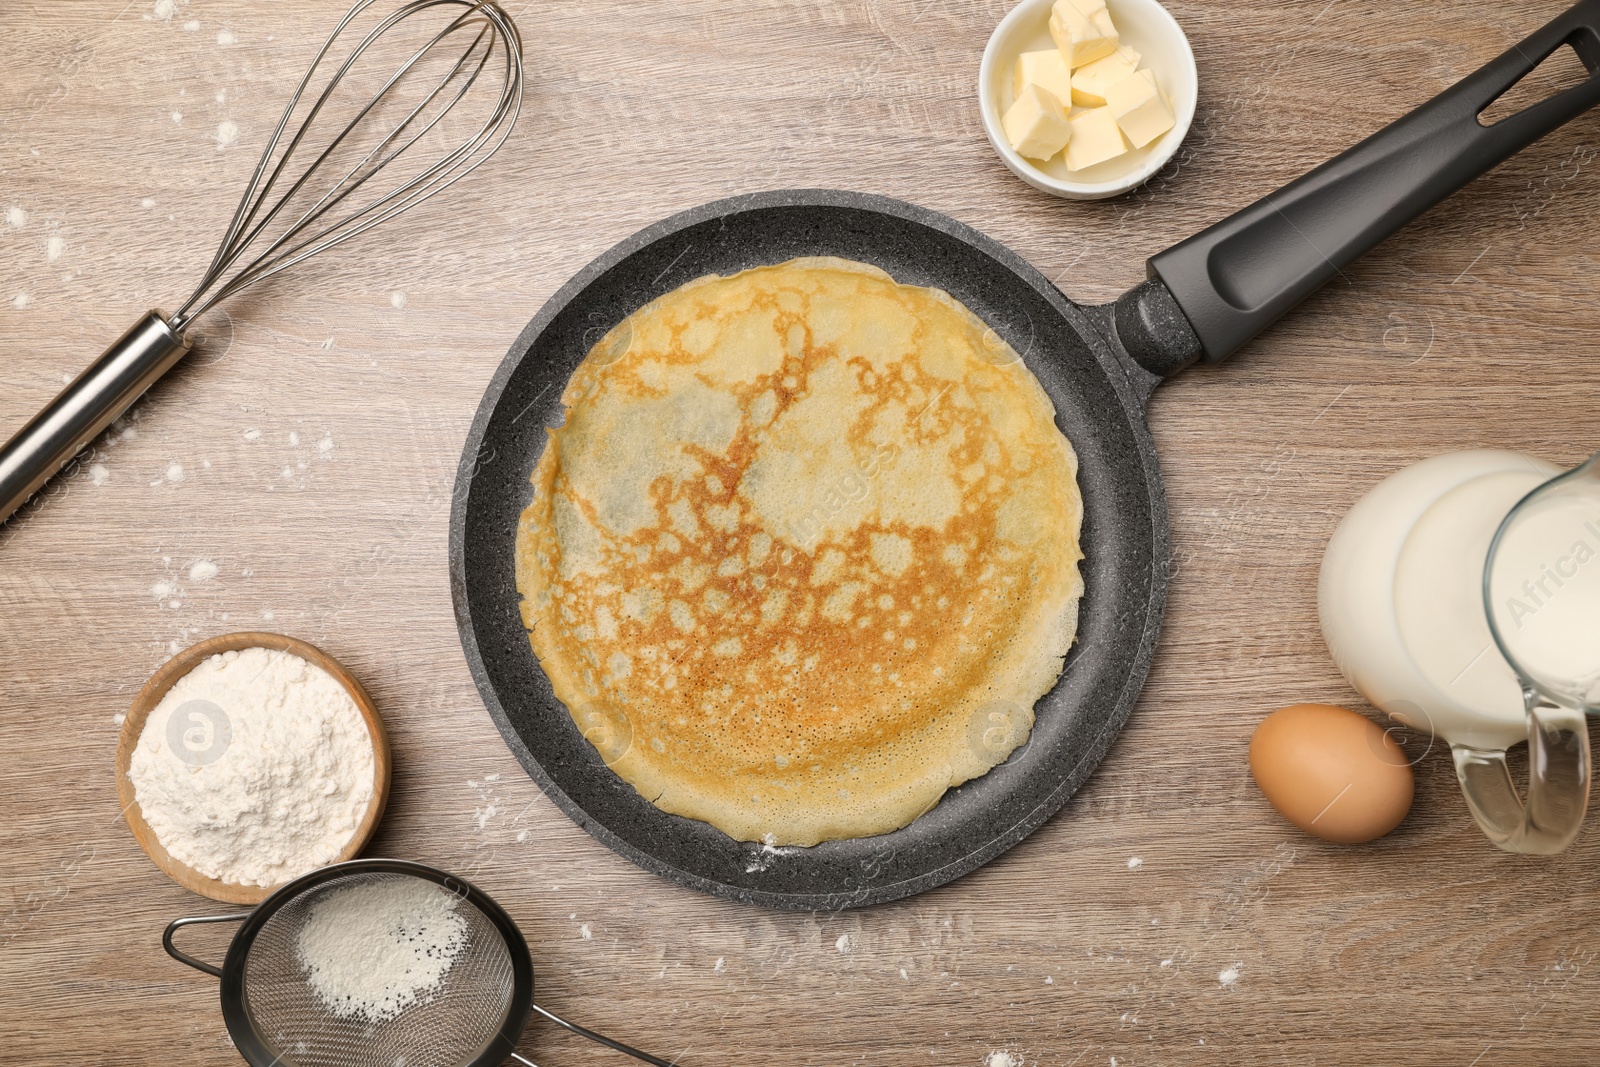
1239,276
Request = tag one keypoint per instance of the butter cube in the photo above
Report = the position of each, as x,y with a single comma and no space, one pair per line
1139,108
1036,125
1126,52
1090,82
1045,68
1083,30
1095,139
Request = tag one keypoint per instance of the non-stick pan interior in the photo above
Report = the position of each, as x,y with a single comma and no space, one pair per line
1124,541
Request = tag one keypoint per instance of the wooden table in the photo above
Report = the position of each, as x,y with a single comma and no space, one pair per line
1166,915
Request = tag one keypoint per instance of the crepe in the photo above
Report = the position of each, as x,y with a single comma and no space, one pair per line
804,553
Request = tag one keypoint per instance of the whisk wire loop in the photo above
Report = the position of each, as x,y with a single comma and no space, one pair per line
338,191
494,36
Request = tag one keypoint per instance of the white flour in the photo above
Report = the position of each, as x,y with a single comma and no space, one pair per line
255,768
373,949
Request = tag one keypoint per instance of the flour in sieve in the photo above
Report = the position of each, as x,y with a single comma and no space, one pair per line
373,949
265,774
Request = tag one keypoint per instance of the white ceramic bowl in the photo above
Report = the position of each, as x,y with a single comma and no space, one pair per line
1368,587
1153,33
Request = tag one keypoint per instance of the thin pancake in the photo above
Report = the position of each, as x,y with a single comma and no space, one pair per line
805,552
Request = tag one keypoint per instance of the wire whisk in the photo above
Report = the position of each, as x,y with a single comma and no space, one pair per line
492,34
437,87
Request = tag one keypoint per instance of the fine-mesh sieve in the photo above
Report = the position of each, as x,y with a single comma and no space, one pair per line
472,1017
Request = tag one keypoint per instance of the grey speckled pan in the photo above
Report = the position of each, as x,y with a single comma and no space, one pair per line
1206,298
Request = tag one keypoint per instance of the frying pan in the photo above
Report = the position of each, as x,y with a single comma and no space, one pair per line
1205,298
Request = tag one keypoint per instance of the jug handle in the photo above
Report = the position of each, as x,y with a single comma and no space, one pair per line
1558,784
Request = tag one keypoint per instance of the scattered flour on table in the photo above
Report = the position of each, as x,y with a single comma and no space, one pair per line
1002,1058
397,298
21,300
256,767
227,133
1228,977
54,245
16,217
373,949
226,38
1134,863
165,9
202,570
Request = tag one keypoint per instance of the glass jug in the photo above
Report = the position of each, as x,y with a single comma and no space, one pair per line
1541,593
1401,599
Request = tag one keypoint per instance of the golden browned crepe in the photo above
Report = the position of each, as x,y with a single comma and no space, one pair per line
805,552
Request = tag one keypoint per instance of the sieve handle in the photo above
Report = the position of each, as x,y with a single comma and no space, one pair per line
627,1050
195,920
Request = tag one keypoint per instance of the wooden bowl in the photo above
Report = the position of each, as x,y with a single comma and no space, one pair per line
163,680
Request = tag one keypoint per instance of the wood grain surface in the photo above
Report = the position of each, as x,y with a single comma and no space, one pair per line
1233,940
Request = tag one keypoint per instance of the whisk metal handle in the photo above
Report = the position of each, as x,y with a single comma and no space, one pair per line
75,417
195,920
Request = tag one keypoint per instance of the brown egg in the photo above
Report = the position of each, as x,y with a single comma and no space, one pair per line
1331,772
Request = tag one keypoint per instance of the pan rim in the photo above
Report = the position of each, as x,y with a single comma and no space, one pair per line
1130,398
